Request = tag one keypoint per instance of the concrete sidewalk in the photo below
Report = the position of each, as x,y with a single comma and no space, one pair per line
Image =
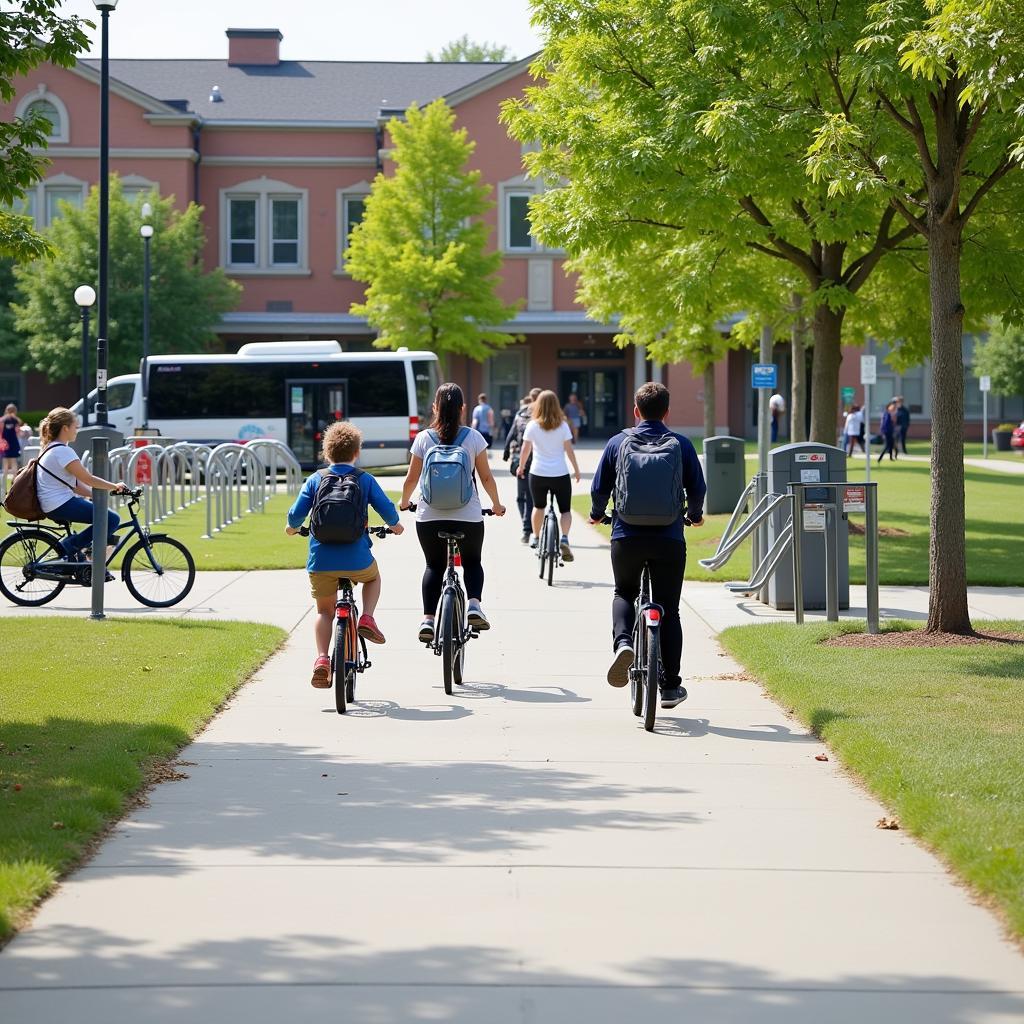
520,852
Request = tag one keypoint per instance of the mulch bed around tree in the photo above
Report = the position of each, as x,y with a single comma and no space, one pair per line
919,638
857,530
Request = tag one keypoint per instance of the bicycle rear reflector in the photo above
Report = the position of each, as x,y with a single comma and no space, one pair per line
343,611
653,616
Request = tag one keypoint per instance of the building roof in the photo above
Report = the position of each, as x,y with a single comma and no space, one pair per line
335,92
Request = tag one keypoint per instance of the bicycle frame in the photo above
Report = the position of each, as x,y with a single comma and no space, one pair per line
452,585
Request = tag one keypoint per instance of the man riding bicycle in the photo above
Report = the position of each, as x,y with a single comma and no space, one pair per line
653,474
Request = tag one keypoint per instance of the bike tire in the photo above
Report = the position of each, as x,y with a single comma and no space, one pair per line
542,549
350,683
448,643
552,553
339,663
21,549
653,668
159,589
636,671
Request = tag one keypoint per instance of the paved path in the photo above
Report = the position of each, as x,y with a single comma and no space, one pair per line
520,852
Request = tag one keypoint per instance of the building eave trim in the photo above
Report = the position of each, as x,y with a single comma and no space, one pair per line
289,161
491,81
116,153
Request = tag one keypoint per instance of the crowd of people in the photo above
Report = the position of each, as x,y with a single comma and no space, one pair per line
892,433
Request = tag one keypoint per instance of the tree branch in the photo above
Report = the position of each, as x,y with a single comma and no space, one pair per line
914,127
793,253
984,188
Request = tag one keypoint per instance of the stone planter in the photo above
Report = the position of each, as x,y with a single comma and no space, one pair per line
1001,439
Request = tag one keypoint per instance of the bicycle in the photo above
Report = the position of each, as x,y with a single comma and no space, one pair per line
549,549
348,653
645,672
158,570
451,631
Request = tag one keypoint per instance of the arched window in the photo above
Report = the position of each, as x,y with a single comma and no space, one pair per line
47,104
45,108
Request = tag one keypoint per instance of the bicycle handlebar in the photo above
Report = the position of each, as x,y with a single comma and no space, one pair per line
377,531
412,506
607,521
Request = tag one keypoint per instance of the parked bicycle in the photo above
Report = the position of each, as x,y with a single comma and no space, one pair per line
157,570
451,630
548,547
348,652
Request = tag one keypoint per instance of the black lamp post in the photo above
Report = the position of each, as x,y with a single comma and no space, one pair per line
85,296
146,231
100,440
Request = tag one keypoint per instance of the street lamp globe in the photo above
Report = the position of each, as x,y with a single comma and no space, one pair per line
104,5
85,295
146,231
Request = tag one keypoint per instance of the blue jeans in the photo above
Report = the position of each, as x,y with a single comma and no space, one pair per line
79,510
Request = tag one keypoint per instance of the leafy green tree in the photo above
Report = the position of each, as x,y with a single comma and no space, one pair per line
32,33
12,345
945,74
465,49
693,118
422,247
1001,357
186,301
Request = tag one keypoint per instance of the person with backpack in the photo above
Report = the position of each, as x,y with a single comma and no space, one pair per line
483,419
655,477
548,439
63,486
446,461
336,500
513,450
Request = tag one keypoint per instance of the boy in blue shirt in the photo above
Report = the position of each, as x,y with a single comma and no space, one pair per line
328,562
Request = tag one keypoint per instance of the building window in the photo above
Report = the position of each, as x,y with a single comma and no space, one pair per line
57,194
41,201
355,207
44,108
517,222
263,224
45,104
284,232
350,211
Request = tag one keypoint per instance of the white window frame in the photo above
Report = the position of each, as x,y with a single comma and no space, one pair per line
135,185
63,136
521,184
507,196
360,190
263,191
271,239
37,196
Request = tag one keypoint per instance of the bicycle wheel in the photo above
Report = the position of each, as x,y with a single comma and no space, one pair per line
17,581
165,579
552,551
343,653
448,645
350,685
542,548
653,667
636,671
458,667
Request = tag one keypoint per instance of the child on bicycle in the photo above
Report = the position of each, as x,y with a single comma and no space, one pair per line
328,562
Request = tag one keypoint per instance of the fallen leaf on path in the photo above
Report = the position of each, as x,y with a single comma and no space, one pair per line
821,757
888,823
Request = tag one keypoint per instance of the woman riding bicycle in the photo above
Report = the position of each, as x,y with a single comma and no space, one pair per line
549,439
445,429
64,485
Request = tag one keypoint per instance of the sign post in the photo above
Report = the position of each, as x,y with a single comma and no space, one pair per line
868,376
985,383
764,377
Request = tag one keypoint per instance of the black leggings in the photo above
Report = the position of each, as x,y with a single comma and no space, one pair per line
435,551
560,486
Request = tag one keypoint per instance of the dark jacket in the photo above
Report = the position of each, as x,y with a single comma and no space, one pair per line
604,485
888,427
514,440
902,417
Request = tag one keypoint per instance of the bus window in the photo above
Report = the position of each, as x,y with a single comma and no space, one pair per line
425,375
375,389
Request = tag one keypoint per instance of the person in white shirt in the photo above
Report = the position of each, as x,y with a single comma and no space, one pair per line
64,485
549,439
777,407
853,429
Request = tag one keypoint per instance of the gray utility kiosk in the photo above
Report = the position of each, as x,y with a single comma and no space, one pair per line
809,464
724,472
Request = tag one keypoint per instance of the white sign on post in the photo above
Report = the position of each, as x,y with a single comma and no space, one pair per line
868,370
985,383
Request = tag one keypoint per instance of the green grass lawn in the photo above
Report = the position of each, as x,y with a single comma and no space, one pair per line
995,537
937,734
77,736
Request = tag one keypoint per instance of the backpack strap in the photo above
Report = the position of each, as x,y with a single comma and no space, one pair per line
39,461
461,435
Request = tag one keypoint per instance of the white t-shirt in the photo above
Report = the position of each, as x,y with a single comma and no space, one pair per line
471,512
53,493
548,448
854,421
777,402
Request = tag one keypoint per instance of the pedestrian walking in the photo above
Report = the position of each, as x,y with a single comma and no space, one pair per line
10,444
512,453
575,415
483,419
777,406
889,432
902,423
853,429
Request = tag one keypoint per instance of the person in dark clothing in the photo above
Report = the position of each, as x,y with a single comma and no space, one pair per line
888,429
514,445
661,548
902,423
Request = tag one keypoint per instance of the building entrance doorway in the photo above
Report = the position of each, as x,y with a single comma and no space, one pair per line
600,392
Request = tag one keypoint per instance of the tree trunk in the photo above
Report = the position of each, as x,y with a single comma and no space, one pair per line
827,330
709,400
947,554
798,390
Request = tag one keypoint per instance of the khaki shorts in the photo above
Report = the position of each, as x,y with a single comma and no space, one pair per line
325,584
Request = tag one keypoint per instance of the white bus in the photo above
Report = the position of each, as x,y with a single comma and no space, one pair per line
289,391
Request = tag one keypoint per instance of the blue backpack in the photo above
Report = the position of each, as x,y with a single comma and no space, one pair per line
446,481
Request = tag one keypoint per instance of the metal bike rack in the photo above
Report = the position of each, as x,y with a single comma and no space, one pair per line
732,538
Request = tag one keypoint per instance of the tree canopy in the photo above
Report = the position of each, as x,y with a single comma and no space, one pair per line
465,49
422,247
186,301
32,33
1001,357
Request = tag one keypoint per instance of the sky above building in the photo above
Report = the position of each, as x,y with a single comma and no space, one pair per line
312,29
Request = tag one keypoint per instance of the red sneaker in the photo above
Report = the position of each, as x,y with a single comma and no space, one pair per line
368,629
322,673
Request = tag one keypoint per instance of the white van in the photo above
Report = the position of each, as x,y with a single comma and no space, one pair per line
290,391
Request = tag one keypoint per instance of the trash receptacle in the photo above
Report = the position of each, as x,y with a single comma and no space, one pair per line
808,464
724,472
83,442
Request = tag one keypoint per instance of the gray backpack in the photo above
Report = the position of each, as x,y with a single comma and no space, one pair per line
649,480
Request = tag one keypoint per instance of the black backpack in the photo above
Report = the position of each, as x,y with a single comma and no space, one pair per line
338,515
649,480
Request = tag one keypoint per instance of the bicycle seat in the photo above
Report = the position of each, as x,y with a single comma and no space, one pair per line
452,536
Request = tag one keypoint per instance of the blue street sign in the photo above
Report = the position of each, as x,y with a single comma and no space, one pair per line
764,375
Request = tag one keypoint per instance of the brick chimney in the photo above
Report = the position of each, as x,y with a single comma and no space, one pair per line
260,46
